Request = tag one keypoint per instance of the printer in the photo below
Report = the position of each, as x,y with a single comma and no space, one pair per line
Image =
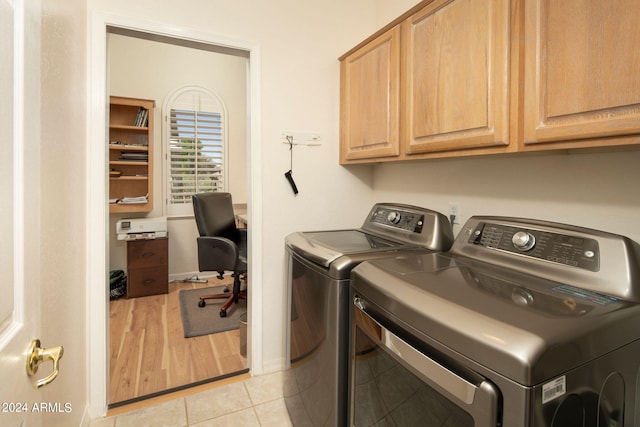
141,228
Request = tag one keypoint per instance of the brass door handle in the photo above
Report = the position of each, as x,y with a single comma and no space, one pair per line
37,355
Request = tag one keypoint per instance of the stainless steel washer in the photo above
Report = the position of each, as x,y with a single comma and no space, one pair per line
319,264
521,324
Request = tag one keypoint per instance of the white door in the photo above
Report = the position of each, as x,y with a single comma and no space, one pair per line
19,204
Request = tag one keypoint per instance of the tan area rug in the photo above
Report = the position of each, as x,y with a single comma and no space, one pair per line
206,320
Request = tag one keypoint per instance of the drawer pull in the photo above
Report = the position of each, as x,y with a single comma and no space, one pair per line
148,254
147,282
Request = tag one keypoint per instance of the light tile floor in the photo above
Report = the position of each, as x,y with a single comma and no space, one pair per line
257,401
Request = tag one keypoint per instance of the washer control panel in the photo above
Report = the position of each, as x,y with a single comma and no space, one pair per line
573,251
398,218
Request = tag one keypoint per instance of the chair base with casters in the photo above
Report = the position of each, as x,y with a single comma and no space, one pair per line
232,297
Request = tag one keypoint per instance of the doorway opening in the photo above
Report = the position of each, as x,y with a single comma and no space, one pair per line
141,380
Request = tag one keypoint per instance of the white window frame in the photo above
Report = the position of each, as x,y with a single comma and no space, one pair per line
198,92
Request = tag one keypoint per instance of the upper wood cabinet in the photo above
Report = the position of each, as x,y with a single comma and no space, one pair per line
370,99
582,73
497,76
456,76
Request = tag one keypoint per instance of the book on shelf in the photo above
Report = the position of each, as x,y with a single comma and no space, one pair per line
142,118
135,200
135,156
120,145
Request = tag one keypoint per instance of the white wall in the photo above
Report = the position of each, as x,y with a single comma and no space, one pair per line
388,10
596,190
299,46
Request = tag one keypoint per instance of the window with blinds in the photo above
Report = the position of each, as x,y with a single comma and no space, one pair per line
196,150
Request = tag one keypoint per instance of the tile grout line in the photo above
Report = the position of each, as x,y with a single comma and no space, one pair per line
186,410
253,405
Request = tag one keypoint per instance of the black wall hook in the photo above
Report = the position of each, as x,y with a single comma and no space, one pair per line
291,181
288,174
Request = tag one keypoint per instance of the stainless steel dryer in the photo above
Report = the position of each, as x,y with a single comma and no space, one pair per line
521,324
319,263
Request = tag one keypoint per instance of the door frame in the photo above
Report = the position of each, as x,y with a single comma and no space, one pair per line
96,207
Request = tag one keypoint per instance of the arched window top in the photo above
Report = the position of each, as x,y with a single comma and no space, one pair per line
195,142
195,98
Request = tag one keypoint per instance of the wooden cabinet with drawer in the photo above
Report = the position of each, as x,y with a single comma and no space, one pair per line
148,267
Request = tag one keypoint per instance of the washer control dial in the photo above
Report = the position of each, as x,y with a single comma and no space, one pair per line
523,240
394,217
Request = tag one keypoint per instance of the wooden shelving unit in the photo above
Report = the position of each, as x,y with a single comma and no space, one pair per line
130,153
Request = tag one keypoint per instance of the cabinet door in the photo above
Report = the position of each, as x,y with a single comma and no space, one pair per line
370,99
456,76
582,70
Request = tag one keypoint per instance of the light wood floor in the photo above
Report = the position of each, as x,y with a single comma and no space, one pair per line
148,351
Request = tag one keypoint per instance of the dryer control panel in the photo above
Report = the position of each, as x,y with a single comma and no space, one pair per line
571,250
576,258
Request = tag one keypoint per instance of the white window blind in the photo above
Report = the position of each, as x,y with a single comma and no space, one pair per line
196,150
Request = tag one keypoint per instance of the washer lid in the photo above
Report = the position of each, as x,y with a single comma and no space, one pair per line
388,226
526,328
324,247
349,241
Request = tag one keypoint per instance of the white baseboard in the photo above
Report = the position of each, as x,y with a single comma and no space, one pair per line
270,366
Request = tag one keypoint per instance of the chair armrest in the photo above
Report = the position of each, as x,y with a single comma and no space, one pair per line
242,233
242,243
217,254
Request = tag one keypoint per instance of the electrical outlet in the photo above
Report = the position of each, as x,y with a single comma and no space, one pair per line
454,213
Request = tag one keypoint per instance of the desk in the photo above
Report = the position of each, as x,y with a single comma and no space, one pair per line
242,220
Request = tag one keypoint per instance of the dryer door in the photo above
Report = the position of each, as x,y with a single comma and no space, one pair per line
396,383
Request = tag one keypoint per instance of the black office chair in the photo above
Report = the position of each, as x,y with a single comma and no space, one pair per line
221,245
